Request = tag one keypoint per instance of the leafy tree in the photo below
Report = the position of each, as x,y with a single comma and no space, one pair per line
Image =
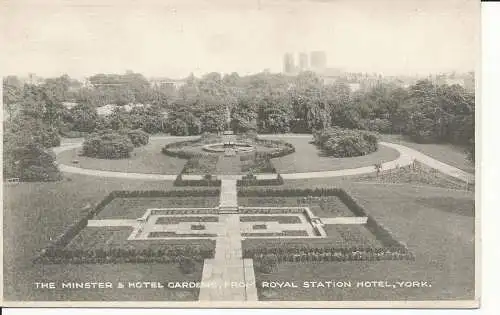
83,118
108,145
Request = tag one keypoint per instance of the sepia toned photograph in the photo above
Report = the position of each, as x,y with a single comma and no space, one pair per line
260,153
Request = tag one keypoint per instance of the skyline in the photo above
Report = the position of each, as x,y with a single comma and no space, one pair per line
174,39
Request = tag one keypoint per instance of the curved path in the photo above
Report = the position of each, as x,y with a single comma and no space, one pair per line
407,156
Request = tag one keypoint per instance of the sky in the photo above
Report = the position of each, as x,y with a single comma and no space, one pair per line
173,38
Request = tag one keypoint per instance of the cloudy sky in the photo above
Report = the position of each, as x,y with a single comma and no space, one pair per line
173,37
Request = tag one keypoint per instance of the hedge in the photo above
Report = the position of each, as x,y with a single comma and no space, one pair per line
180,182
153,253
138,137
328,254
260,182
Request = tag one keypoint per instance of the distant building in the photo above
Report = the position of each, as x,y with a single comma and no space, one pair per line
354,86
303,62
288,64
165,83
318,61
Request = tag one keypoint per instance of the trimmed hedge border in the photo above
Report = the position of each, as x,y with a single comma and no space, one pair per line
180,182
380,232
78,225
164,253
260,182
284,252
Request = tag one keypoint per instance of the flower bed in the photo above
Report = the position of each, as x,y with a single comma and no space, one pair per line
283,219
174,234
177,220
275,234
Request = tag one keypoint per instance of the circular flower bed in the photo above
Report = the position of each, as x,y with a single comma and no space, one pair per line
222,147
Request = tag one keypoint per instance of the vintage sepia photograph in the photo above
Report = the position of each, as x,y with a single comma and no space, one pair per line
259,153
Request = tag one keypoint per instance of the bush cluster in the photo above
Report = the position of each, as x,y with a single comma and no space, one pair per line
251,180
205,182
30,163
138,137
108,145
341,143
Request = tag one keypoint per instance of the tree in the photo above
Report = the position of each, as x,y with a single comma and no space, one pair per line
83,118
25,158
108,145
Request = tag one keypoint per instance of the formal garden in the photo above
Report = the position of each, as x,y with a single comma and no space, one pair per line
390,223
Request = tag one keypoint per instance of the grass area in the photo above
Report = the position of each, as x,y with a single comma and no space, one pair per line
352,235
282,219
34,213
327,207
451,154
133,208
433,222
145,159
307,158
114,273
98,237
177,220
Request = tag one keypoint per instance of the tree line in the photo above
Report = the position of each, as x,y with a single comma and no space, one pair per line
263,102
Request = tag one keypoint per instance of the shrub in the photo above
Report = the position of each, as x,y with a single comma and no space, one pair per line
381,125
251,180
212,182
138,137
187,265
340,143
29,163
108,145
268,263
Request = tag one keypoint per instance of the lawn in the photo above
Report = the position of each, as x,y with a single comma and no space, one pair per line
307,158
133,208
114,273
99,237
34,213
437,226
351,235
447,153
331,207
146,159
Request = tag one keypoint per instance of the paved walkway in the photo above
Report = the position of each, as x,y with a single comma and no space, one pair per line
228,194
407,155
227,277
